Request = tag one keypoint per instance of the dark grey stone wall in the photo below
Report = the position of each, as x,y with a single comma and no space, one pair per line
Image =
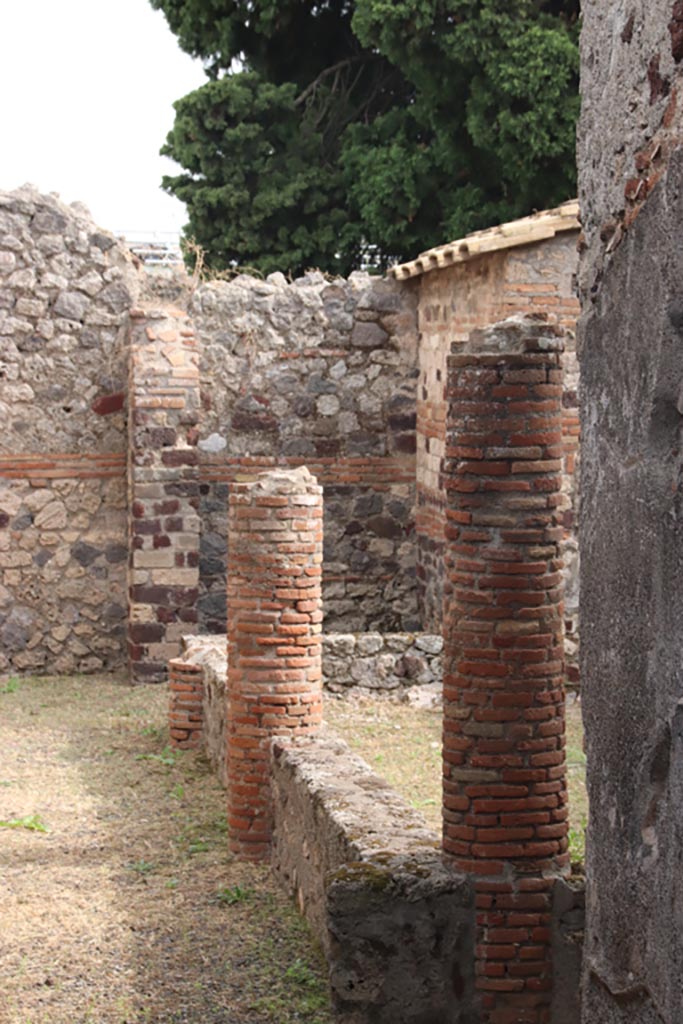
631,351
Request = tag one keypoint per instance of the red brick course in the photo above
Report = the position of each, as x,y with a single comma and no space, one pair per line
505,819
274,650
42,469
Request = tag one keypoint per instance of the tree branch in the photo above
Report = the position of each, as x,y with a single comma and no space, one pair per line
334,69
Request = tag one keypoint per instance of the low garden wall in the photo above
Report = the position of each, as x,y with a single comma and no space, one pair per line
400,666
395,923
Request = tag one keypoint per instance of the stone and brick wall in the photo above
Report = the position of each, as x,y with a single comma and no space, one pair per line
163,490
65,290
318,373
452,302
395,664
504,790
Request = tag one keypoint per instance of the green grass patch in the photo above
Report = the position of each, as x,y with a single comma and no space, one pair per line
32,823
232,894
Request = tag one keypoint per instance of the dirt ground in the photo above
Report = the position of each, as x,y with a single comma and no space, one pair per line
119,903
128,909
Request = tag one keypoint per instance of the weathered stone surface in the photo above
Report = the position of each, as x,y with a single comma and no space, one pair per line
85,554
59,324
368,335
213,443
395,923
52,516
60,573
568,929
71,305
15,630
631,178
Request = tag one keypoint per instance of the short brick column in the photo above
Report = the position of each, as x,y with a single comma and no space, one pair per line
274,648
504,790
186,696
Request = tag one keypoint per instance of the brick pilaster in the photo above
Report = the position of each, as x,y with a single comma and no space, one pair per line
162,490
274,650
185,712
505,813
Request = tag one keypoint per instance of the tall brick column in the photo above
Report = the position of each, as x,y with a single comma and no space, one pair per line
163,491
274,649
504,789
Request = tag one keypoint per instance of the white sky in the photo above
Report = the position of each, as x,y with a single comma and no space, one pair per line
86,88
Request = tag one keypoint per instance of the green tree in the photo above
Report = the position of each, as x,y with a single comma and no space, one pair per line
331,133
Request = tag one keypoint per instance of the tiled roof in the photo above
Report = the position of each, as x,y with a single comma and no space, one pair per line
538,226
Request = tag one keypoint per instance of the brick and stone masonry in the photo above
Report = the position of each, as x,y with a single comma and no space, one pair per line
504,789
274,648
163,490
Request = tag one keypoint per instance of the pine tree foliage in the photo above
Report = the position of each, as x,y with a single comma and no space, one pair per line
332,133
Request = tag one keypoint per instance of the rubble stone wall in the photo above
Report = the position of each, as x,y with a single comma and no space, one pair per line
452,302
65,290
631,351
382,663
320,373
317,372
